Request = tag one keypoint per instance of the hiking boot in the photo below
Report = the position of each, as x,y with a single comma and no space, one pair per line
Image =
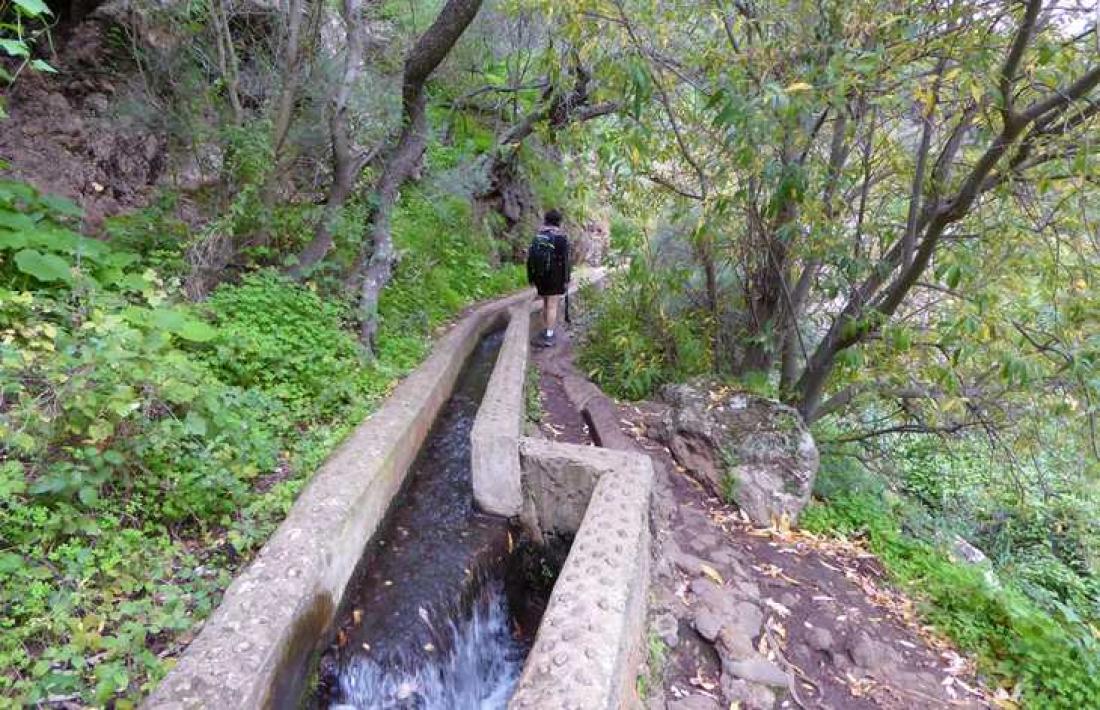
544,339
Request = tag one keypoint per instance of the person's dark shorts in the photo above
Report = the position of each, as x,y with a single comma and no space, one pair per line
550,288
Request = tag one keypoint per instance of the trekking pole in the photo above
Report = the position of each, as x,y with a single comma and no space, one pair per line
568,319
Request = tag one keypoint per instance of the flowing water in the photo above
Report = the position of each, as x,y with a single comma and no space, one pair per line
427,623
479,669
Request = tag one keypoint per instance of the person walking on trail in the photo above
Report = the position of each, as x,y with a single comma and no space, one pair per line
548,270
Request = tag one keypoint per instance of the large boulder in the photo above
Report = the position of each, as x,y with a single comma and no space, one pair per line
749,450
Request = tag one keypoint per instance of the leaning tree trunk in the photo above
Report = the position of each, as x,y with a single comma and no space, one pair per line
298,44
345,165
507,190
378,256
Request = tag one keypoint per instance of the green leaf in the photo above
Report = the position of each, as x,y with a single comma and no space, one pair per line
10,563
195,424
954,274
60,204
100,430
39,65
181,324
15,220
88,495
11,190
33,8
13,240
44,267
15,48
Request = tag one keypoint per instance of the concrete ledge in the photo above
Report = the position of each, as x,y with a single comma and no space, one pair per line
589,643
494,439
254,650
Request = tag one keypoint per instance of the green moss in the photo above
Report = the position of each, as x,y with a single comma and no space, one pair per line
532,399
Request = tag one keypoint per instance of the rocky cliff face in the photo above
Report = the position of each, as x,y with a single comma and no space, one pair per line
751,451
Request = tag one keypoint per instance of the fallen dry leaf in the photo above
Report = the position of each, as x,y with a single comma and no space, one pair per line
712,573
777,607
700,682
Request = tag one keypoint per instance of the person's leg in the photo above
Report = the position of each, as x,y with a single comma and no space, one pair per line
545,312
550,313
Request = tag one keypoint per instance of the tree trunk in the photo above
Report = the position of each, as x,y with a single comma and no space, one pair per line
228,64
793,347
705,254
345,165
296,43
378,255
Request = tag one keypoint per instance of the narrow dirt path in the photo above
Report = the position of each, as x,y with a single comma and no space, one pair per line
559,420
749,618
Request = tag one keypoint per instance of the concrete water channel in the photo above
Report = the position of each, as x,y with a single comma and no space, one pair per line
430,623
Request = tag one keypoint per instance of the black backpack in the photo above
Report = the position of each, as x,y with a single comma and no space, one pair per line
541,256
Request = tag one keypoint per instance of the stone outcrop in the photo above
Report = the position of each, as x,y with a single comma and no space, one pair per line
748,450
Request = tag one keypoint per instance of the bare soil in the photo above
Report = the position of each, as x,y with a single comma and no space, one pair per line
560,420
71,134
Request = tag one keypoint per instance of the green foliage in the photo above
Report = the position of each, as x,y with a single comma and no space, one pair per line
114,435
149,447
641,335
155,234
23,25
285,341
656,658
730,482
445,264
532,401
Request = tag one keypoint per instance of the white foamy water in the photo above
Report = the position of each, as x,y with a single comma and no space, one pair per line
478,672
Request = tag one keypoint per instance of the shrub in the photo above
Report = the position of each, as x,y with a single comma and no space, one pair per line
147,447
636,340
282,339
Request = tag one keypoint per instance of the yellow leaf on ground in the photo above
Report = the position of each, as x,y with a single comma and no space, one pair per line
712,573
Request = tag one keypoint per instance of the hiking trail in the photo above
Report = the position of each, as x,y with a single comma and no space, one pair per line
743,617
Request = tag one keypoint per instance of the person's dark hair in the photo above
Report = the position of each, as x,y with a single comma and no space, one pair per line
553,218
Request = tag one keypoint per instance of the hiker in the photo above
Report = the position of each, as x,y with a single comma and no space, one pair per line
548,270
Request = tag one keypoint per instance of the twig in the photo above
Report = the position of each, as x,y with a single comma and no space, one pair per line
792,669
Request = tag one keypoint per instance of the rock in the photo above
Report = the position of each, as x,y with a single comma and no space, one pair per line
721,617
870,654
668,629
707,623
727,557
694,702
702,543
733,645
963,551
747,589
789,599
745,620
710,594
757,670
750,696
687,562
820,639
756,451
